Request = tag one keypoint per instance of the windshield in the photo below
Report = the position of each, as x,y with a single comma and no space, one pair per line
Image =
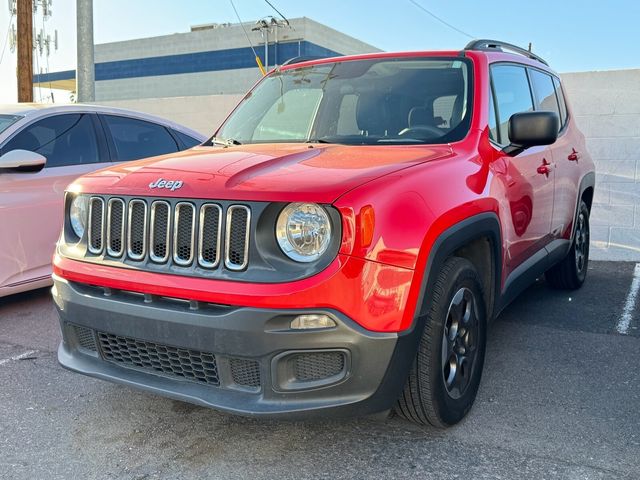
6,121
361,102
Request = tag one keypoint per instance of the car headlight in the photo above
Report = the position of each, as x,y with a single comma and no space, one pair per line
303,231
78,214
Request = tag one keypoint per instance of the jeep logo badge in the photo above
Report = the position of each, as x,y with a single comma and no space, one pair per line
172,185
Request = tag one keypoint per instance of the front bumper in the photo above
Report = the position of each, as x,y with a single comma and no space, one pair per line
237,359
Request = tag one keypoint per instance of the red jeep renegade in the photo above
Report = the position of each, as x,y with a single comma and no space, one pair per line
339,245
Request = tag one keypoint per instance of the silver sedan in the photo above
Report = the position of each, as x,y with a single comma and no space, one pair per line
42,150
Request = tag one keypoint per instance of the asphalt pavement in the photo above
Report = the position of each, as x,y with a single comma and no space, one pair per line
560,399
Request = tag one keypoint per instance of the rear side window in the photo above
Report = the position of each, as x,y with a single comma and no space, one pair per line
63,140
545,92
134,139
561,101
186,140
513,95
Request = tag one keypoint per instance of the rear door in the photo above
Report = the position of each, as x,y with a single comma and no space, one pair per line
528,181
31,203
133,139
566,156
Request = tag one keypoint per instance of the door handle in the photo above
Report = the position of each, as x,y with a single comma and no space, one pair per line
544,169
573,156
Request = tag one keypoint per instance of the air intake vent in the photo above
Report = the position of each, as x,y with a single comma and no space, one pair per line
237,238
115,227
209,237
193,365
137,229
318,366
184,233
160,228
85,337
245,373
96,222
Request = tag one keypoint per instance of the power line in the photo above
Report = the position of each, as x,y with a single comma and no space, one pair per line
440,19
243,29
6,39
278,12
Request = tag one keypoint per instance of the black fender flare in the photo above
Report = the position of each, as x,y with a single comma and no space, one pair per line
588,181
484,224
453,238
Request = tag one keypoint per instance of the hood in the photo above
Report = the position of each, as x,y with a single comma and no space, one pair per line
259,172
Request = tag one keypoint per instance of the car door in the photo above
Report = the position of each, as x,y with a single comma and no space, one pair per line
565,155
528,178
133,139
31,202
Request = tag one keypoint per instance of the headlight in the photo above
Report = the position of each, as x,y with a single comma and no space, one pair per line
303,231
78,214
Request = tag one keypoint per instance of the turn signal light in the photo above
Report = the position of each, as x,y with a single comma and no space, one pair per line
308,322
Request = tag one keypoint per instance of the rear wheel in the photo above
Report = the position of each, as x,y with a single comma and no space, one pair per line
571,272
445,375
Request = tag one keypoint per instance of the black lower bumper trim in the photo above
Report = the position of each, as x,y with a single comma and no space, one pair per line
345,370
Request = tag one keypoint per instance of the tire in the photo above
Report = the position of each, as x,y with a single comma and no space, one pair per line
441,389
571,272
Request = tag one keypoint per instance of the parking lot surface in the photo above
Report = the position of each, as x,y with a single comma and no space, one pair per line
560,398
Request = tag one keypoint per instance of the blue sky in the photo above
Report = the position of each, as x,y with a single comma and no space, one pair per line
574,35
571,35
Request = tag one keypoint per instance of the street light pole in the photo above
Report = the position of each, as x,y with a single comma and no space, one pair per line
25,50
85,77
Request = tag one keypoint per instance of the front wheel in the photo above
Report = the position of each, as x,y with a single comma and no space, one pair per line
571,272
445,375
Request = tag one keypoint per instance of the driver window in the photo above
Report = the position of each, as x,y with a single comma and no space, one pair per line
63,139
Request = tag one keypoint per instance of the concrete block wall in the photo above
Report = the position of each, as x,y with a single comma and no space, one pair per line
606,106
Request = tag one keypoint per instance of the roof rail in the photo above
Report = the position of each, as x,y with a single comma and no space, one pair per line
497,45
300,59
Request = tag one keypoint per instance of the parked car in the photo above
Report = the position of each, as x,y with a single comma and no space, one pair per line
42,150
339,245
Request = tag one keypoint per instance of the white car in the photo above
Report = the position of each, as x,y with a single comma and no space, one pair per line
42,150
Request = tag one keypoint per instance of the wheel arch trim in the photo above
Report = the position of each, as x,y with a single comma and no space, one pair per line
484,224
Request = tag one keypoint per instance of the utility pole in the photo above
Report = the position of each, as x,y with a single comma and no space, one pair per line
25,50
85,77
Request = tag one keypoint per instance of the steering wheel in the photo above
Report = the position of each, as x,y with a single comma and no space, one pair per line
420,130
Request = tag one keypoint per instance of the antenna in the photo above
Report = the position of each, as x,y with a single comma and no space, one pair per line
13,7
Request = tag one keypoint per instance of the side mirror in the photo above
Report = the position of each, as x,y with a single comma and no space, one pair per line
22,160
529,129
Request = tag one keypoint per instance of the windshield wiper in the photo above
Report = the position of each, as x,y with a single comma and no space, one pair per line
225,142
318,140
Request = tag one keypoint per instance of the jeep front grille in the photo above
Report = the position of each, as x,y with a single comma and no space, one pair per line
180,234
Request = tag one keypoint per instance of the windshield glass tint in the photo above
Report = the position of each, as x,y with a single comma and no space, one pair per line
360,102
6,121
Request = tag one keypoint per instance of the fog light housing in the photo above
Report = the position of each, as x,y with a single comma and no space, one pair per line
312,322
